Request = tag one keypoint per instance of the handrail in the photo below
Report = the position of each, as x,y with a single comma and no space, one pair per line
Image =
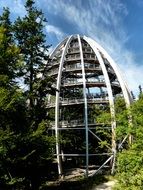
76,68
67,101
73,123
80,82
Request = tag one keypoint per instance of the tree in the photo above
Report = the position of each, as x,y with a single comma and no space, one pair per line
26,151
12,103
130,161
9,69
31,41
9,53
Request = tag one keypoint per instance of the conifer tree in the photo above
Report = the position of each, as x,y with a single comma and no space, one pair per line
25,148
31,41
9,53
12,103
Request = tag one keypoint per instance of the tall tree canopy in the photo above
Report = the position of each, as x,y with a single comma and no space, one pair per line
9,53
25,147
31,41
130,161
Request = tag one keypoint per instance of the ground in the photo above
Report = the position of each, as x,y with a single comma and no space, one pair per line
105,186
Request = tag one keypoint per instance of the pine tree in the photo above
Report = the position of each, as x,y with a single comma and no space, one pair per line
9,53
31,41
25,148
12,103
32,44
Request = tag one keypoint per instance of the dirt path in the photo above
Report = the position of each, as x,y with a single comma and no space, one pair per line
105,186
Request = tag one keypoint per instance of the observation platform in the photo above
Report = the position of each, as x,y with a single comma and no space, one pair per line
89,68
79,124
70,102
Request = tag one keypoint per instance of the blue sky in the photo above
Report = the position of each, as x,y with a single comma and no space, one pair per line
116,24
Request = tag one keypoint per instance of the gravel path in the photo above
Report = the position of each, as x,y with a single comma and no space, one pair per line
105,186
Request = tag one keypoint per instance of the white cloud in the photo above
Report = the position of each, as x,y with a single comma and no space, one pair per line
133,74
16,6
102,20
56,31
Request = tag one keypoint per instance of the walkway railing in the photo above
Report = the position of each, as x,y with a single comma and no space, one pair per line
74,101
79,124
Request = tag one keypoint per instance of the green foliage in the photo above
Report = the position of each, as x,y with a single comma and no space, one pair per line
122,124
31,40
25,157
120,105
25,153
129,170
104,117
130,162
26,150
9,53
